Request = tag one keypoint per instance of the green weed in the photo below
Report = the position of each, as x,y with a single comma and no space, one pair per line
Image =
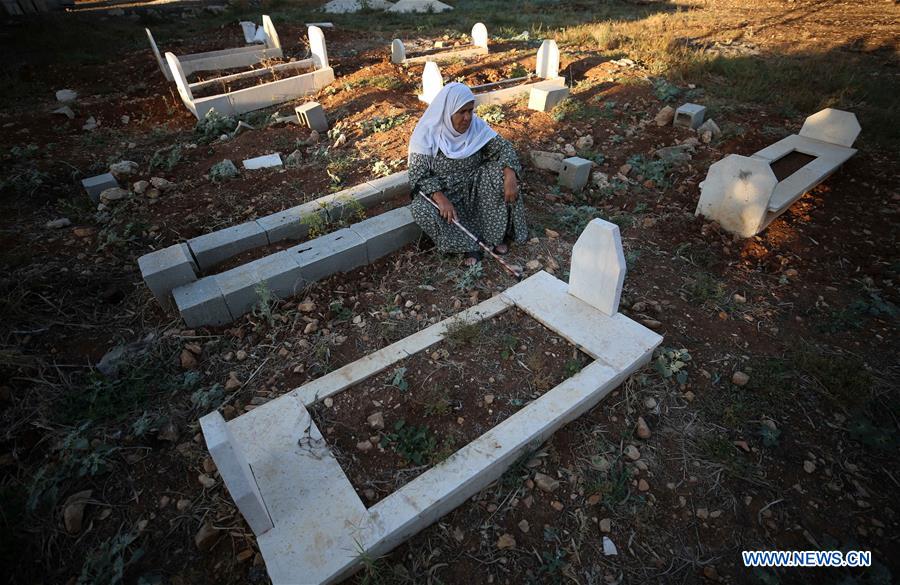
107,563
415,444
672,363
491,113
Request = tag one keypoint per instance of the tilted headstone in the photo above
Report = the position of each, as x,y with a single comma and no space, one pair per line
317,47
598,267
271,36
736,193
833,126
249,29
548,60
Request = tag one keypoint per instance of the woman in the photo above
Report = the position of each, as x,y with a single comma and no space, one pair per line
470,172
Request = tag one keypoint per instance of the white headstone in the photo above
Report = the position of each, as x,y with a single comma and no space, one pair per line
736,194
479,35
598,267
548,60
184,90
317,47
249,29
833,126
419,6
270,34
162,64
235,472
432,82
398,52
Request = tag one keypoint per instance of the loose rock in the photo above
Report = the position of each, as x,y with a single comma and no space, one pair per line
632,452
123,169
65,96
206,536
642,431
546,483
140,187
56,224
206,481
643,486
73,512
585,142
524,526
364,446
113,194
665,116
740,378
506,541
188,361
162,184
376,421
606,525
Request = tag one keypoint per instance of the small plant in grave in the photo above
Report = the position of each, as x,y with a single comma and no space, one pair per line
491,113
508,345
384,169
568,109
517,70
107,562
341,313
665,91
467,278
207,399
267,300
672,363
398,380
654,170
212,126
222,171
166,158
769,435
382,123
415,444
460,332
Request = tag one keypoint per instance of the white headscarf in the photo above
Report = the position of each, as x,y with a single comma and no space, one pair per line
435,132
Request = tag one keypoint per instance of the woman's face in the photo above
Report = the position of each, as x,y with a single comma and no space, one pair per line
463,117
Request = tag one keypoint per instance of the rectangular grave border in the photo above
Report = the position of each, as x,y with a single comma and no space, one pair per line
309,521
743,194
225,58
479,46
546,76
180,264
261,96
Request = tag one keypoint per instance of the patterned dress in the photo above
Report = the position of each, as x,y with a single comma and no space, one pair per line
474,186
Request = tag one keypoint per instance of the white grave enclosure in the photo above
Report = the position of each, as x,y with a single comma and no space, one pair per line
546,75
310,75
226,58
479,46
319,525
744,195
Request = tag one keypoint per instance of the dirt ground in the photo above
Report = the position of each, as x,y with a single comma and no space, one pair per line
772,407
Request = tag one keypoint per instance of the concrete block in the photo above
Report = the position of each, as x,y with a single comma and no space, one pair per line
201,303
736,194
598,266
339,251
689,116
387,232
831,125
312,115
286,225
544,97
391,186
548,60
212,248
263,162
166,269
341,205
575,172
432,82
240,286
98,184
235,472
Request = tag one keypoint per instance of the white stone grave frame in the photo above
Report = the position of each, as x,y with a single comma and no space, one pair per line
478,46
320,526
546,75
260,96
743,194
225,58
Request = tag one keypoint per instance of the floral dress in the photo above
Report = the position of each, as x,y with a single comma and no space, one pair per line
474,186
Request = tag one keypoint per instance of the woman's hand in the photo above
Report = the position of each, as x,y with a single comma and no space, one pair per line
510,185
445,208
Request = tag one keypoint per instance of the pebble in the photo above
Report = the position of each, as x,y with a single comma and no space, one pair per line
650,403
182,505
306,307
364,446
206,481
702,513
632,452
524,526
489,399
65,96
123,168
545,482
533,265
113,194
161,184
689,396
665,116
556,505
376,421
90,124
740,378
56,224
328,402
609,548
809,466
643,485
188,360
310,328
369,493
164,501
585,142
606,525
241,355
642,431
206,536
140,186
791,273
84,232
739,299
246,554
506,541
73,512
232,383
550,233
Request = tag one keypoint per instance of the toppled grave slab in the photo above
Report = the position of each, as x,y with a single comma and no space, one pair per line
410,6
225,58
479,46
309,76
321,529
744,194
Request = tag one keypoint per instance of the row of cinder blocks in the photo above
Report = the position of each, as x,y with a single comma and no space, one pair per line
219,299
180,264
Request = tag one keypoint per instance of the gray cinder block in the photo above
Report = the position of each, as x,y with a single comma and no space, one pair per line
212,248
166,269
96,185
574,173
287,224
240,286
543,97
387,232
392,186
689,116
339,251
312,114
201,303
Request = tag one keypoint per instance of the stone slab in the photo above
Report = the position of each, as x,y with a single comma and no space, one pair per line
201,303
263,162
833,126
98,184
231,463
507,94
166,269
736,194
543,96
575,172
548,161
339,251
598,268
214,247
410,6
387,232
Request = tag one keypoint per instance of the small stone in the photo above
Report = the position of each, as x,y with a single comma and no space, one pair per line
310,328
73,512
740,378
557,505
188,360
643,486
632,453
609,549
65,96
369,493
600,180
56,224
689,396
488,399
533,265
642,431
625,169
364,446
206,536
241,355
709,131
551,234
743,446
223,170
791,273
182,505
524,526
113,194
123,169
585,142
809,466
306,307
90,124
246,554
665,116
169,432
164,501
328,402
606,525
140,186
65,111
162,184
710,573
702,513
650,403
570,150
206,481
376,421
546,483
506,541
739,299
293,160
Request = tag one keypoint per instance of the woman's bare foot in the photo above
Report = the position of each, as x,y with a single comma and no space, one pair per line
472,258
501,249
